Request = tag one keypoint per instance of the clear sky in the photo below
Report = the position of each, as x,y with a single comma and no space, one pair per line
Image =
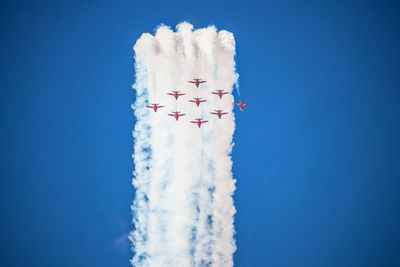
316,156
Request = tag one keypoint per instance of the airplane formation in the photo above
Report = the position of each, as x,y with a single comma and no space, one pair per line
197,101
197,82
155,107
220,93
176,94
241,105
219,113
176,114
198,122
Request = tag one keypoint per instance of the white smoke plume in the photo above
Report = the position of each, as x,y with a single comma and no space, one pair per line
183,209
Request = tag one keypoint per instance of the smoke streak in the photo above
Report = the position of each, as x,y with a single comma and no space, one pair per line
183,209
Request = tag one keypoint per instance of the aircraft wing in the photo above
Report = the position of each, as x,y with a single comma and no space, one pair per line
191,82
202,81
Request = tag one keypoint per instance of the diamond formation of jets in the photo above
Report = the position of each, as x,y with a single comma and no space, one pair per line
155,107
198,122
197,82
220,93
219,113
176,94
241,104
197,100
176,114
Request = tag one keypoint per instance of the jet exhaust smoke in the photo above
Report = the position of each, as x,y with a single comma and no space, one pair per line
183,208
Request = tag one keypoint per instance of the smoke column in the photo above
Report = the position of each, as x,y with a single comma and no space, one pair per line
183,208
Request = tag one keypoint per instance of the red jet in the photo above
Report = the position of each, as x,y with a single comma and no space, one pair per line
155,107
176,94
197,100
219,93
176,114
241,105
219,113
197,82
198,122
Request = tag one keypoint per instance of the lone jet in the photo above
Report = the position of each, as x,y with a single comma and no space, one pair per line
241,105
176,114
176,94
197,100
198,122
197,82
219,113
219,93
155,107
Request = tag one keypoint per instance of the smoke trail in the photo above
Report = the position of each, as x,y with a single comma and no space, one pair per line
237,86
183,209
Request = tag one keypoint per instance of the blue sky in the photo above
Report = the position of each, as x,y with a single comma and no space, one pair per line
316,155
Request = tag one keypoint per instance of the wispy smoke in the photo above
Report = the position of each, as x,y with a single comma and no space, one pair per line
183,209
237,86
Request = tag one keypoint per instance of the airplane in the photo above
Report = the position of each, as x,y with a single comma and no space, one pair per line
197,82
155,107
176,94
197,100
241,105
219,93
219,113
198,122
176,114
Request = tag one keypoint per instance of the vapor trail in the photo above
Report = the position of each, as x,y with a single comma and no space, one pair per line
183,209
